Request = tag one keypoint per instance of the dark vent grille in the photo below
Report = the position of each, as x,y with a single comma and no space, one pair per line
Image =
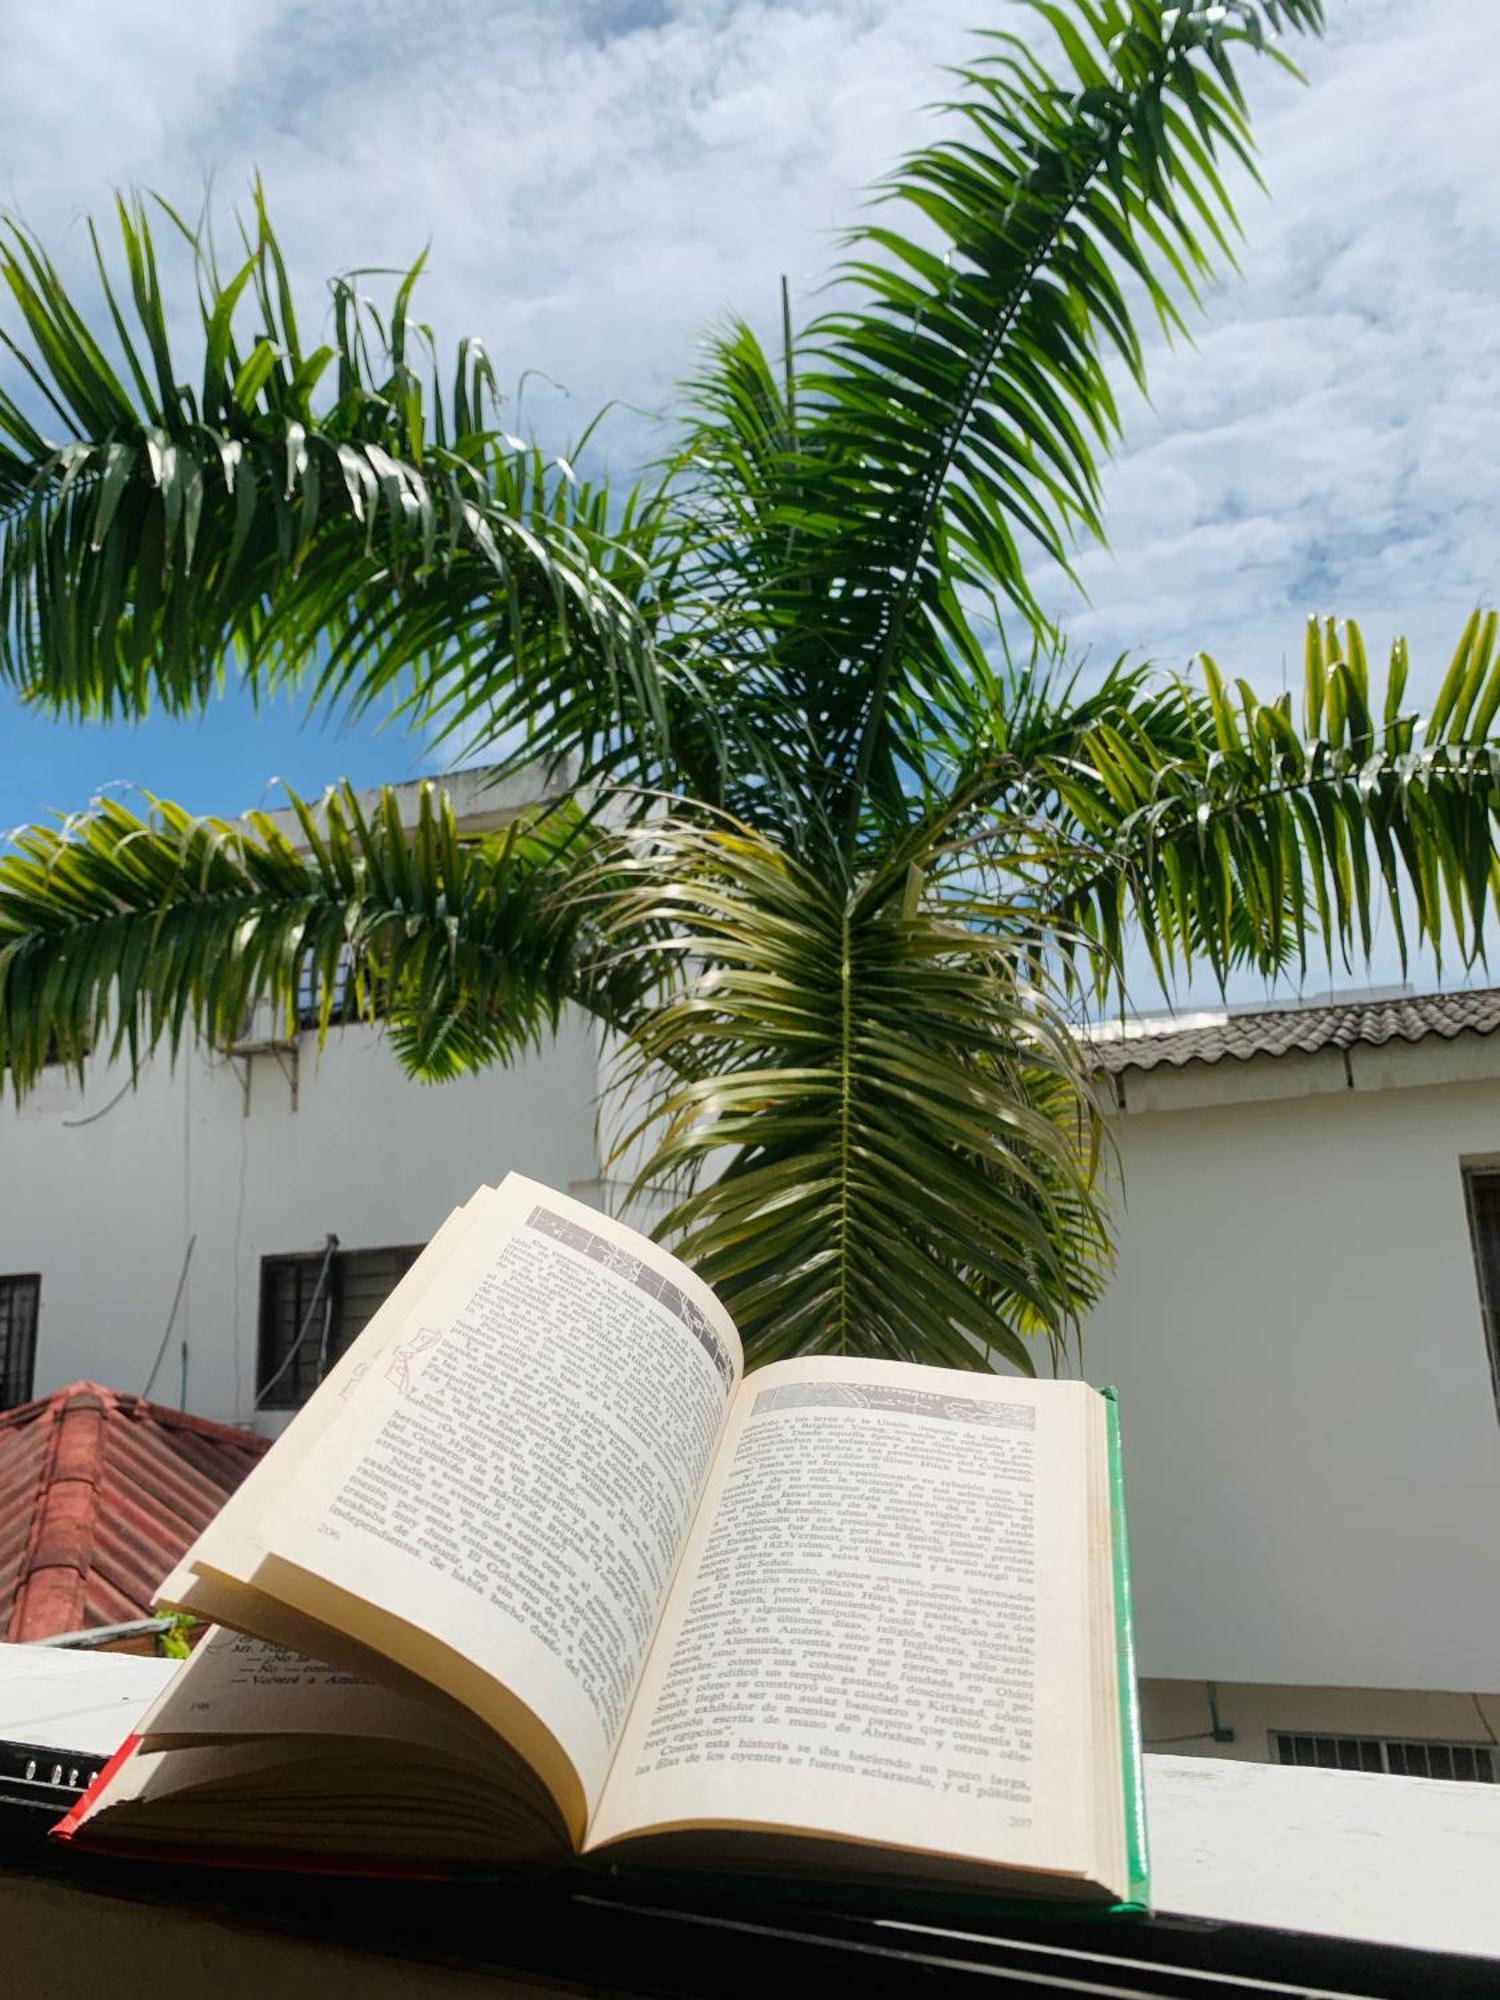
1404,1757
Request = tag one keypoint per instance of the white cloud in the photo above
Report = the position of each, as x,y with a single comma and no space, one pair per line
601,182
1330,445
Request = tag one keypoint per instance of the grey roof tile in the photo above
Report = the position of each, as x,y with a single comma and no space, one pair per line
1305,1030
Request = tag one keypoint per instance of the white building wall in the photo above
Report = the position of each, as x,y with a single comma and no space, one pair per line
1311,1441
105,1210
1251,1715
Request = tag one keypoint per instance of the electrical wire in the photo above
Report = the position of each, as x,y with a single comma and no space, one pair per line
239,1232
295,1348
171,1317
75,1124
1217,1733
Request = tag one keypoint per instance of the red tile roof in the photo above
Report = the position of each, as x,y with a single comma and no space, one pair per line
100,1493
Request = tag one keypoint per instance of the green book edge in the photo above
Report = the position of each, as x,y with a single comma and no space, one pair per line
1137,1844
916,1903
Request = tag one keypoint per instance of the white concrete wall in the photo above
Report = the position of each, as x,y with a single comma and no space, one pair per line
1311,1439
105,1211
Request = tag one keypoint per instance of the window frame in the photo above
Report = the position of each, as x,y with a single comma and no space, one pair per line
267,1364
1476,1172
9,1373
1387,1756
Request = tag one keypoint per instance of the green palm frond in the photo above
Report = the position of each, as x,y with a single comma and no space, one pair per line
949,421
333,514
902,1137
786,624
736,496
125,931
1270,828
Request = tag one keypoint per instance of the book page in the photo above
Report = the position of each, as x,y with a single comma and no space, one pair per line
230,1543
880,1631
504,1496
233,1685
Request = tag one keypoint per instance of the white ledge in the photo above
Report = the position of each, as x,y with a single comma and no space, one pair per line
1400,1861
1387,1860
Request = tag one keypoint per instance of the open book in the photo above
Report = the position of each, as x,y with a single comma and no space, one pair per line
538,1573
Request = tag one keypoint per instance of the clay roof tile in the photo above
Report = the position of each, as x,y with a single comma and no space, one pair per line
100,1494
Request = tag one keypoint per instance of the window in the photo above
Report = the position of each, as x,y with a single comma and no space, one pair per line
19,1298
1406,1757
310,990
1482,1196
350,1005
307,1320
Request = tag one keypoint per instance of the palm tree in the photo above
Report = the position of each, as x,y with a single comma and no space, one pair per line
832,864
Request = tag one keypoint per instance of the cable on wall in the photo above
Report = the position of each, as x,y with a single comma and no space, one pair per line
1217,1731
75,1124
172,1315
307,1319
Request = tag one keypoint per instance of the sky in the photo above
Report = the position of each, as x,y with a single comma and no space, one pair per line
600,181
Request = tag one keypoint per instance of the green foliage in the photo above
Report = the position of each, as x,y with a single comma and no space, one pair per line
334,516
932,435
909,1144
1252,829
786,625
174,1642
125,931
852,846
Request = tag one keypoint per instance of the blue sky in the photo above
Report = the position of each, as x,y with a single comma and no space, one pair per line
598,181
227,762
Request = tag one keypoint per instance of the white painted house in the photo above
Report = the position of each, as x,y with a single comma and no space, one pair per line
1303,1328
1306,1365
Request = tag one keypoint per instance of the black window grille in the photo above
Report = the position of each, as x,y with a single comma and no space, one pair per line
1403,1756
1482,1199
308,1319
19,1299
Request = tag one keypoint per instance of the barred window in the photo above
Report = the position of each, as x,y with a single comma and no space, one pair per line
310,991
351,1005
309,1317
1402,1756
19,1299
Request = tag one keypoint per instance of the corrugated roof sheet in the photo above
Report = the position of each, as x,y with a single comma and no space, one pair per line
100,1494
1290,1030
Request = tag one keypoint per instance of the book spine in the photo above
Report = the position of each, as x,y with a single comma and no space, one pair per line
1137,1844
